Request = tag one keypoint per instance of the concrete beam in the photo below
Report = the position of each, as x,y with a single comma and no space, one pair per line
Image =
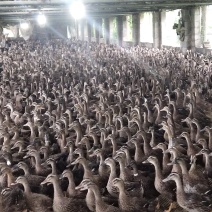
59,2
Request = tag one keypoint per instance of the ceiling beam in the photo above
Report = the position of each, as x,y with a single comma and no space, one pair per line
59,2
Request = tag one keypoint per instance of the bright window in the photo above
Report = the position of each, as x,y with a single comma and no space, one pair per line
146,27
169,35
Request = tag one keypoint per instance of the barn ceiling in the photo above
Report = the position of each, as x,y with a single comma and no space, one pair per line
58,10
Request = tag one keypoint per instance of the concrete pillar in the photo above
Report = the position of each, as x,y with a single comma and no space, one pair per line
107,30
197,27
157,29
203,23
120,30
136,29
82,30
188,19
77,29
89,28
98,28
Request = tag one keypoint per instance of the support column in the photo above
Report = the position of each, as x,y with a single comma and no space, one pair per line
197,28
82,27
136,29
107,30
188,19
157,29
89,31
120,30
76,24
203,23
98,24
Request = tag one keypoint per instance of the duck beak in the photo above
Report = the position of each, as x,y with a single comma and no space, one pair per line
146,161
165,180
69,165
83,188
199,153
170,164
26,156
61,177
13,147
79,187
166,151
44,182
12,184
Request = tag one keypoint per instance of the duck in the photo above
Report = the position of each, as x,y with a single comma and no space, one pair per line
126,201
71,190
61,203
188,201
100,205
35,202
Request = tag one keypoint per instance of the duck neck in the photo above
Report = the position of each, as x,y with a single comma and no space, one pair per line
128,134
37,162
158,118
87,172
147,147
174,111
165,159
152,142
139,124
95,139
101,159
112,173
184,168
122,191
184,100
115,147
87,145
45,154
58,194
71,185
180,191
6,140
16,135
103,137
158,172
71,154
210,139
79,135
62,142
26,170
32,129
189,143
128,157
149,114
178,98
198,131
54,169
100,205
138,151
70,120
191,112
10,178
207,161
122,169
27,189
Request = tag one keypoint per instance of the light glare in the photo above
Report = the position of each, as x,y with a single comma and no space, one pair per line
41,19
24,25
77,10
